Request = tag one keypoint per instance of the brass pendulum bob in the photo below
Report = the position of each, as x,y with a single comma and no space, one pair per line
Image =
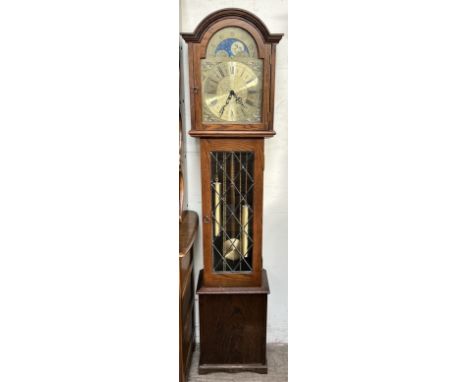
231,248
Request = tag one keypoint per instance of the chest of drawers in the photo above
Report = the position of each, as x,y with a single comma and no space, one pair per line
187,233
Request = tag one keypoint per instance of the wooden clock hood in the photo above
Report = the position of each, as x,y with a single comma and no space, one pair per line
265,42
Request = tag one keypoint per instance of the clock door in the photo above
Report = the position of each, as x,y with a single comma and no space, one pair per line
232,210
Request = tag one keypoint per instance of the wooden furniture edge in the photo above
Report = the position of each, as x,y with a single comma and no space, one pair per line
187,232
262,289
236,13
231,134
187,280
233,368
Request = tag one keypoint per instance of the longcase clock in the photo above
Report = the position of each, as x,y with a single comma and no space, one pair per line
232,79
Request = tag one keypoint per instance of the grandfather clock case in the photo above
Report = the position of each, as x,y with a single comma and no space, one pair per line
232,80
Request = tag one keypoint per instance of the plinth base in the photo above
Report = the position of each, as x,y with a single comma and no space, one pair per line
233,328
205,369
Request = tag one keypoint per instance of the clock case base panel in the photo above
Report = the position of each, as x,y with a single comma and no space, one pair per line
233,327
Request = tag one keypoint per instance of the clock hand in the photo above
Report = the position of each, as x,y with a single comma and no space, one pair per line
222,109
231,93
239,100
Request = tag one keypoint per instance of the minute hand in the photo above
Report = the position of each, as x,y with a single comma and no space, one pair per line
231,93
239,100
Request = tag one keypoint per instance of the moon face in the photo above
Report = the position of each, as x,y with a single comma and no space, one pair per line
236,48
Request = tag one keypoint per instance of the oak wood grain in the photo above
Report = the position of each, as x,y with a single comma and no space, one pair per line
233,327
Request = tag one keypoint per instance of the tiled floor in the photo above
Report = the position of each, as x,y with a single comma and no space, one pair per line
277,358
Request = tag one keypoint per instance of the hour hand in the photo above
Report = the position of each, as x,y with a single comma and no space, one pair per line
231,93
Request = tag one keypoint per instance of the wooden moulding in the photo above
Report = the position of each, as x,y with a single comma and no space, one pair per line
264,288
232,134
197,35
253,368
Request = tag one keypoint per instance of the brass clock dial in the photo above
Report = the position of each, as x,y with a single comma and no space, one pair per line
232,79
231,92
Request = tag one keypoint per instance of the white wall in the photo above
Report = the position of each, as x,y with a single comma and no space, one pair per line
275,239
